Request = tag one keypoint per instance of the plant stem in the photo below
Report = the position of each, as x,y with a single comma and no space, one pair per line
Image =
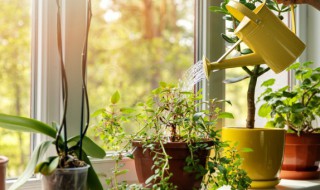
251,97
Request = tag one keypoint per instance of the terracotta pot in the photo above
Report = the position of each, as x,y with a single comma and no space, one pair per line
3,165
301,156
178,151
263,164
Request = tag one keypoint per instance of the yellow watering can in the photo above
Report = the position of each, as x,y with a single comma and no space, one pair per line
265,34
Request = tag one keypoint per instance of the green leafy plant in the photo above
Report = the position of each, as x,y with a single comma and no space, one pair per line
295,107
254,73
70,152
170,115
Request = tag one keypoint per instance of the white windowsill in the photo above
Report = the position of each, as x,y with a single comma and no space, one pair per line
298,184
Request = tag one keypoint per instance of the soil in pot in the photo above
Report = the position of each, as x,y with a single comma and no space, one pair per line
66,179
178,151
301,156
3,165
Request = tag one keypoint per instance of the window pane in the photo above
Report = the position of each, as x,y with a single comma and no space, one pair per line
15,79
136,44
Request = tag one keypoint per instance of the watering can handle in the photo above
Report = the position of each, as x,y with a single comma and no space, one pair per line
239,11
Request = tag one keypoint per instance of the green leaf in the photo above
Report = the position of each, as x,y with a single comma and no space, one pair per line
228,39
149,179
246,51
270,124
251,6
121,172
298,108
36,156
24,124
264,110
47,167
226,115
217,9
289,94
90,147
127,110
98,112
93,181
246,150
307,64
269,82
115,97
294,66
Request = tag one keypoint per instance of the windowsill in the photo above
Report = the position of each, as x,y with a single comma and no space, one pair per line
298,184
284,185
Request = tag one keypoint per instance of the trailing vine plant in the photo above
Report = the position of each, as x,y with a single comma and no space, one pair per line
170,115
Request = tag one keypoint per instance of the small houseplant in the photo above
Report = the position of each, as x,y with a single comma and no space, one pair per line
68,169
296,109
172,144
260,172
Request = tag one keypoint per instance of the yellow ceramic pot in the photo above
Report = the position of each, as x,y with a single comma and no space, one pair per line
263,164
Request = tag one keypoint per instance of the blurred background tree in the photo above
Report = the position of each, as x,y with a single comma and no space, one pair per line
15,78
134,45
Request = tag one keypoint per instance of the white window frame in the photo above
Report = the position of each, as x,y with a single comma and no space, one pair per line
208,27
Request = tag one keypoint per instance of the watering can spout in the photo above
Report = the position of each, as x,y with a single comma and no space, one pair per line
241,61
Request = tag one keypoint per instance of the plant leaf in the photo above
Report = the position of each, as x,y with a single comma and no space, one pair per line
24,124
269,82
36,156
246,150
93,181
228,39
90,147
246,51
226,115
264,110
47,167
115,97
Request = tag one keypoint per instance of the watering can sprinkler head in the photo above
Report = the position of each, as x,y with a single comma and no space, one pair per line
206,66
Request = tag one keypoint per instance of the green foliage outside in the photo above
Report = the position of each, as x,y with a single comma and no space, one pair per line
15,79
132,54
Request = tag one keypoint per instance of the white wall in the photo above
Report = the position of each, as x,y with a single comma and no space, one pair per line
313,35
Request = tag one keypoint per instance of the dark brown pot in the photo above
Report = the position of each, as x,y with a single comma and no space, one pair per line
3,166
178,151
300,156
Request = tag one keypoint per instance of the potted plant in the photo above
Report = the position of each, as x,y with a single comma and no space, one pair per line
111,128
173,140
70,167
296,108
3,165
264,161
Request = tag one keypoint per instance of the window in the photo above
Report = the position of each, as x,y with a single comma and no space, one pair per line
134,45
15,88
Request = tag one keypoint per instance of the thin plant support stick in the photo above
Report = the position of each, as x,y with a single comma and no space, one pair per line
85,100
63,124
